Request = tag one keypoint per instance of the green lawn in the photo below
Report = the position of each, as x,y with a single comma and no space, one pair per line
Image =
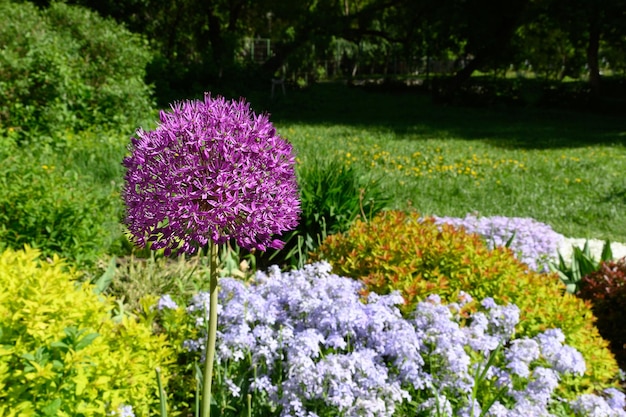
561,168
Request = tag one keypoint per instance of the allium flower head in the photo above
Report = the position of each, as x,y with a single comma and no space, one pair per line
211,170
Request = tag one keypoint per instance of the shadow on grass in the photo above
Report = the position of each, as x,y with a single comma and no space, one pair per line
412,113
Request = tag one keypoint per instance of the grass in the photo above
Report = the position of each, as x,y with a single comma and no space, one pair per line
558,167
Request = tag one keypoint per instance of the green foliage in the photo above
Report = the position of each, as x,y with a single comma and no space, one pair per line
581,264
605,288
61,353
177,325
135,278
66,67
400,251
332,195
64,201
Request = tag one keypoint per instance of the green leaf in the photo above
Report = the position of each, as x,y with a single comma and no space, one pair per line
52,408
607,253
508,242
59,344
162,396
586,266
105,279
86,341
586,250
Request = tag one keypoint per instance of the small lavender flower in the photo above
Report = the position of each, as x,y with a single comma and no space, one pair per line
438,405
520,355
562,358
543,383
212,170
125,411
166,302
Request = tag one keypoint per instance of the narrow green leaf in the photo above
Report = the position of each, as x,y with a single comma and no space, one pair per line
607,253
86,341
508,242
105,279
162,397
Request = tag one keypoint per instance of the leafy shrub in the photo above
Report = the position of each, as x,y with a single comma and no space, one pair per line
532,242
305,342
62,354
66,67
332,197
51,202
400,251
133,278
605,288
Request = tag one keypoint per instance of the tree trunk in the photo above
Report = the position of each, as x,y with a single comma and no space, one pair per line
443,93
592,58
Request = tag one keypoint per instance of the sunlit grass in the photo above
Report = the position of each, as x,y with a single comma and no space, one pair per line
567,172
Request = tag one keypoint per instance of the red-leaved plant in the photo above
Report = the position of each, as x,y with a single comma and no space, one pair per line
606,289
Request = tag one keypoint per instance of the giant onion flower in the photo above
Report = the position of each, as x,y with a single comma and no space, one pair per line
212,170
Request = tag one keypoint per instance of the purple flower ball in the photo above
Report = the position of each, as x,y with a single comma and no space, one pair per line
212,170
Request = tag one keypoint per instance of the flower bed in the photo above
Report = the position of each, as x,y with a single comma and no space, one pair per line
304,343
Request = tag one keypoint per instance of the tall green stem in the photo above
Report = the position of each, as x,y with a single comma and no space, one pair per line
211,334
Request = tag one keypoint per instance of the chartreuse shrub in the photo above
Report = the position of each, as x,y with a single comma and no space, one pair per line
402,251
62,353
65,67
605,288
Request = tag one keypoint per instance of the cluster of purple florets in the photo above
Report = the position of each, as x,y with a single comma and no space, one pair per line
211,171
314,344
534,243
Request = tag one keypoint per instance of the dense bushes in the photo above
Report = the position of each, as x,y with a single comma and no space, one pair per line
67,78
399,251
65,67
62,353
63,201
606,290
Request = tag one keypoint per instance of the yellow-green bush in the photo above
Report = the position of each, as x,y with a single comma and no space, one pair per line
401,251
62,353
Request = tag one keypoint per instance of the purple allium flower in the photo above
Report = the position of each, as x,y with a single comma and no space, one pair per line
211,170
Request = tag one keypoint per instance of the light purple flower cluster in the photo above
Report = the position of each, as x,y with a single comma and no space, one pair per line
166,302
125,411
610,404
534,243
316,345
211,170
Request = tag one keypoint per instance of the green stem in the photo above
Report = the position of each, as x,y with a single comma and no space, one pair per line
211,334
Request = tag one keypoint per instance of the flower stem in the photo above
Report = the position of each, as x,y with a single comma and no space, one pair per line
211,334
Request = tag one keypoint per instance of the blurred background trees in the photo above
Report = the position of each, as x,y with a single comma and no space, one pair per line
235,44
